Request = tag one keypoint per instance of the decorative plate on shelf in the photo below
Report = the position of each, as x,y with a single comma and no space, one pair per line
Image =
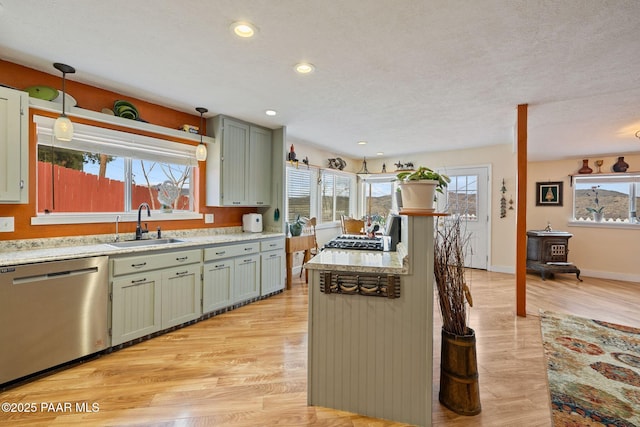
42,92
125,109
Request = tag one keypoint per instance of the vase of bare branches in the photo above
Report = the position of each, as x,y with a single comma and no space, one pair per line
459,389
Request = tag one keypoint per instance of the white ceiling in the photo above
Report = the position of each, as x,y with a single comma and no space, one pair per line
405,75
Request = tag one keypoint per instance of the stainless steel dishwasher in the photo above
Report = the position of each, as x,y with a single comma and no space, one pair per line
52,313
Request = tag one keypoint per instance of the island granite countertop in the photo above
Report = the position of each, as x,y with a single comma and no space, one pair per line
361,261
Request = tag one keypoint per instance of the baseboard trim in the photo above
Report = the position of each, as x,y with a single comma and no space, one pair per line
611,275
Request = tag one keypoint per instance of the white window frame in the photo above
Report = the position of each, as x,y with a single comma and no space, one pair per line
632,178
363,193
315,200
124,144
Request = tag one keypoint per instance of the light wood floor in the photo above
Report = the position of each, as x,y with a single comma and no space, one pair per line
248,367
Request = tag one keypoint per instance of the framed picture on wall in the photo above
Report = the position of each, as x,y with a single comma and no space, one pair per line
549,193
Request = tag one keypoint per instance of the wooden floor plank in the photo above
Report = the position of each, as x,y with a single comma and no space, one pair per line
248,367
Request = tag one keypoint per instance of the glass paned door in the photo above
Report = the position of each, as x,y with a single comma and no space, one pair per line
467,197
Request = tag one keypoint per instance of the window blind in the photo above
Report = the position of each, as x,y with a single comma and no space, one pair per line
298,193
117,143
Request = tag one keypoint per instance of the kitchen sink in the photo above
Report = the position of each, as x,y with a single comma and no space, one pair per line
146,242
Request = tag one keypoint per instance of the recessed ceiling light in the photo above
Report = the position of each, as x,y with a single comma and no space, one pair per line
244,29
362,142
271,112
380,153
304,68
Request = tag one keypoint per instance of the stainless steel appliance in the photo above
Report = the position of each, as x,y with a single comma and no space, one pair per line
52,313
393,229
355,242
386,242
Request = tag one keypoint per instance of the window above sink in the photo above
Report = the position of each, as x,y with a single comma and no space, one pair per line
103,172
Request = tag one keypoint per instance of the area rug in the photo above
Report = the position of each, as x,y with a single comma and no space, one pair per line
593,369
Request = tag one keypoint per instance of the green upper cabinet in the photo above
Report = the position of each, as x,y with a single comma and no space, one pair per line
14,146
239,165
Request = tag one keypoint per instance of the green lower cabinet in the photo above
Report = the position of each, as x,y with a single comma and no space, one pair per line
181,295
217,285
153,292
247,278
136,306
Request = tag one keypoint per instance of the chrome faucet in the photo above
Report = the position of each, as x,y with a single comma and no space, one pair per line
139,229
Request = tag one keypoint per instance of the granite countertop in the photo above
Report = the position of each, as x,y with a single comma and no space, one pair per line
54,249
361,261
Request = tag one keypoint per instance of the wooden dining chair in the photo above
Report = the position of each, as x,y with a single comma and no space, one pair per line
310,228
352,226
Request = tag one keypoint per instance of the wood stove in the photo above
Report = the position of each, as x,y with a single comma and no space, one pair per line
547,253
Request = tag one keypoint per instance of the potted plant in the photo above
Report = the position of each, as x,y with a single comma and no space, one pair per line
419,187
597,210
459,389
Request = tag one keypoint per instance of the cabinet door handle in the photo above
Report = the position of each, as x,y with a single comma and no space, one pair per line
247,261
273,255
139,280
142,264
181,273
180,259
219,266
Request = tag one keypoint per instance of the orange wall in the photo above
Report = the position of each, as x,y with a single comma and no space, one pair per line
93,98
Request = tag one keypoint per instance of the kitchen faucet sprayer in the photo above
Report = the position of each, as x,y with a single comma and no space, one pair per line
117,234
139,229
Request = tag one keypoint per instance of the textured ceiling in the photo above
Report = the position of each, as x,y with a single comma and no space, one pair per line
405,75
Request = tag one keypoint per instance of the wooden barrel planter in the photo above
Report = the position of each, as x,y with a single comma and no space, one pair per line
459,390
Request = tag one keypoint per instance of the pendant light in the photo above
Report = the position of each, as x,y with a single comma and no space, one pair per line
201,151
63,128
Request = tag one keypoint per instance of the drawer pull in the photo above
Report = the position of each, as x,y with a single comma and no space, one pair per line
180,259
273,255
219,266
181,273
142,264
273,245
247,261
139,280
221,253
248,249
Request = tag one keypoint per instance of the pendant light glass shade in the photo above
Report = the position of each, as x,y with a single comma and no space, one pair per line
201,150
63,128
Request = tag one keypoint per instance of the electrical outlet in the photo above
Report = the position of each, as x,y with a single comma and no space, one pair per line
6,224
208,218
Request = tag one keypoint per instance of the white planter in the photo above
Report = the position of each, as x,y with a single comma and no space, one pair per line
418,196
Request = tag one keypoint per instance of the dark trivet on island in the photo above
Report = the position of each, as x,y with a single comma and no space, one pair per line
547,253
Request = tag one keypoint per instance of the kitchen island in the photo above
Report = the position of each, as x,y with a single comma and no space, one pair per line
371,328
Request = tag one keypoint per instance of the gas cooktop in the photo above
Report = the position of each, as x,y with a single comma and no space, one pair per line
358,242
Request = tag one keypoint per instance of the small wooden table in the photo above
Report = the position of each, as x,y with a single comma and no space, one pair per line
305,243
